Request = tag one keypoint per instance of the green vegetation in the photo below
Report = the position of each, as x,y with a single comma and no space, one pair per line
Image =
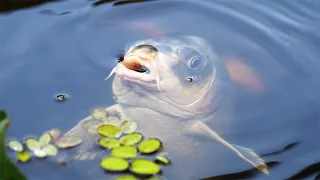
8,169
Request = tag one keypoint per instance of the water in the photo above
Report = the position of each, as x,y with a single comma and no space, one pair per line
269,48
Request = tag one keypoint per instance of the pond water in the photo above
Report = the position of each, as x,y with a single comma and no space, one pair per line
269,48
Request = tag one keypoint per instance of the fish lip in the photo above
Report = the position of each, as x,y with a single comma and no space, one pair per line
124,72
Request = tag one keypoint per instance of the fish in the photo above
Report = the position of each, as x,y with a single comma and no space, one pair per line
172,86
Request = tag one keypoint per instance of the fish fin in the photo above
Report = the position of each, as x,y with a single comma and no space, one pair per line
246,154
86,150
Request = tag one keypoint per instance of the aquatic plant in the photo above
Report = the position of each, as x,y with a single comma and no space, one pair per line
118,137
8,169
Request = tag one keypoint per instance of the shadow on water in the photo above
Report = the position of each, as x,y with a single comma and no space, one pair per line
270,51
7,6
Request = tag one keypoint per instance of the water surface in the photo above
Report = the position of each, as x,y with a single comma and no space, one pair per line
270,49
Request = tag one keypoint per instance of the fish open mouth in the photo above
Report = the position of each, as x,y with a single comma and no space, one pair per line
135,64
138,65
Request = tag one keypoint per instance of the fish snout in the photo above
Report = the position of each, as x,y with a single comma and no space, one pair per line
139,58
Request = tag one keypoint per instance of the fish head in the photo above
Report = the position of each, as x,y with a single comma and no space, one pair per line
173,75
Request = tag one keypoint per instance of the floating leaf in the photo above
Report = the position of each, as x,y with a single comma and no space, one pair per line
93,131
114,164
124,152
99,114
90,122
149,146
39,153
162,154
155,178
23,156
54,133
128,126
45,139
162,160
15,145
109,143
68,141
50,150
125,177
131,139
32,143
109,130
141,166
113,121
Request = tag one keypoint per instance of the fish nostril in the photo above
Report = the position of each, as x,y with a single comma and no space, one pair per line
120,59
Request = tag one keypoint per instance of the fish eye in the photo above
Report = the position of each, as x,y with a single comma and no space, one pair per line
195,62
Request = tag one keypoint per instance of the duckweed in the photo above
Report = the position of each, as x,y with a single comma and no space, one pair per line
50,150
45,139
99,114
15,145
32,143
109,130
149,146
114,164
68,141
128,127
109,143
54,133
162,160
141,166
112,120
125,177
39,153
131,139
23,156
125,152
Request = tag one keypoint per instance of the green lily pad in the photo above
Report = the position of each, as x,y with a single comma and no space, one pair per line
99,114
155,178
131,139
126,177
32,143
144,167
23,156
15,145
109,130
68,141
54,133
39,153
45,139
114,164
162,160
149,146
112,120
92,123
50,150
128,127
125,152
109,143
93,131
